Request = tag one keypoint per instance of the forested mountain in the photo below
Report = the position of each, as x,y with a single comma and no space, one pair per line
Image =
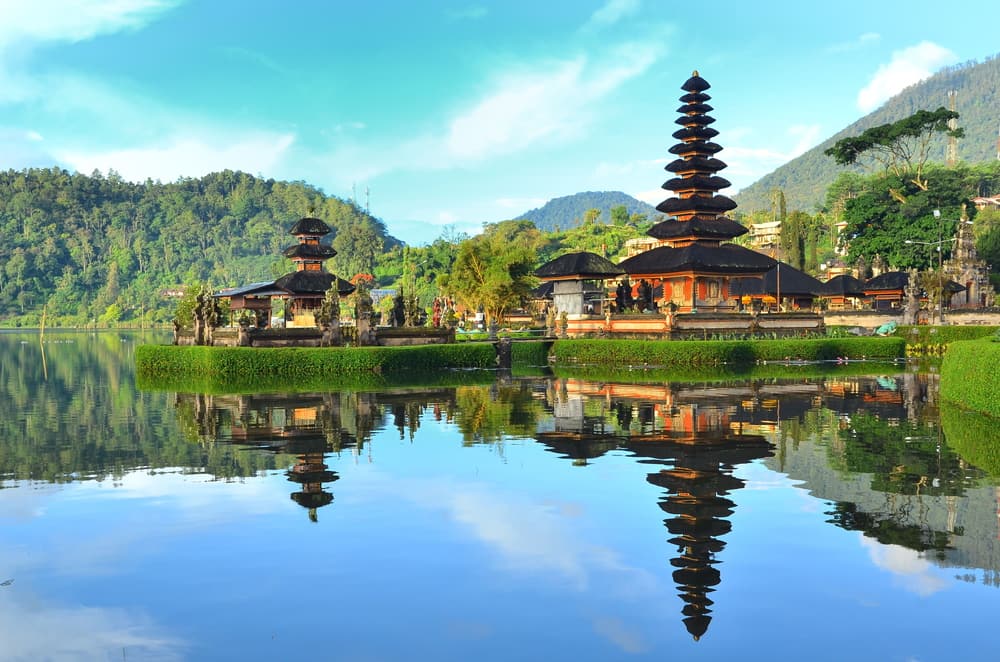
570,211
99,248
805,179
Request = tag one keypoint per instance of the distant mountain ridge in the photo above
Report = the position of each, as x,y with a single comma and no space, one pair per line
567,211
805,179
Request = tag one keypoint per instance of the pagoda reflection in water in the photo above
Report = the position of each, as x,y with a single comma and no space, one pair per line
702,435
305,426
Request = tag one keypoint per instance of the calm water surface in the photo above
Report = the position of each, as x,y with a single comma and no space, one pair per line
833,518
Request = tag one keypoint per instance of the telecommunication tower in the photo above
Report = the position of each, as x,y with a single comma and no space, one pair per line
951,157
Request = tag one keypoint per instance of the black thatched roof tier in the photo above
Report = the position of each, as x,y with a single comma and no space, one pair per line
695,133
259,289
715,204
695,84
695,164
695,97
698,148
890,280
309,252
312,282
842,286
723,259
720,228
312,226
705,183
543,291
695,108
583,264
791,281
698,119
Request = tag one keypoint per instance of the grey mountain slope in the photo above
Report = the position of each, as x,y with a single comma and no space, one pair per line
805,178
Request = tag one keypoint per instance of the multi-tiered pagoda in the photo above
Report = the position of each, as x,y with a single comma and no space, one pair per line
307,285
694,264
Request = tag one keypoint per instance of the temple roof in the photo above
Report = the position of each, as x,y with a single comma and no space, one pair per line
792,282
715,204
309,252
702,147
696,163
585,264
695,83
707,227
725,258
260,289
706,182
695,108
890,280
543,291
695,133
843,285
695,97
698,119
312,282
310,225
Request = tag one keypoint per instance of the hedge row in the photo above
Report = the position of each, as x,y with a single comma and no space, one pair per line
530,352
666,353
295,363
970,375
943,334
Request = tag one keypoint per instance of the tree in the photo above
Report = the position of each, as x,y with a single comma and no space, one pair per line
495,269
901,147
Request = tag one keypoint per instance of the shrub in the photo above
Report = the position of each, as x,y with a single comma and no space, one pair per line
969,375
668,353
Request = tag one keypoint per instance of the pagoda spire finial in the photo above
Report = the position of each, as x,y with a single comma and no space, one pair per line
694,73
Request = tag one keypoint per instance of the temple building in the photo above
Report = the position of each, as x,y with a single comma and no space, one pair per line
695,264
966,268
578,281
302,289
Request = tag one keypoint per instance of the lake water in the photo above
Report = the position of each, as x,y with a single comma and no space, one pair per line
831,518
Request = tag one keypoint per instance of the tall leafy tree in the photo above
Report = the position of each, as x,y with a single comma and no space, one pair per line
901,147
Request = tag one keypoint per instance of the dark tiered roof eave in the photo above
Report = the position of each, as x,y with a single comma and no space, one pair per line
890,280
719,228
310,226
843,285
722,259
583,265
309,252
312,283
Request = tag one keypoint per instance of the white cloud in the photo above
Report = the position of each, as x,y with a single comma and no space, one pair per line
611,12
913,572
190,155
73,20
747,163
31,630
866,39
907,67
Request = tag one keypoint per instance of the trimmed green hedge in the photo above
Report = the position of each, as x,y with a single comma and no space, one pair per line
530,352
305,363
943,334
970,375
669,354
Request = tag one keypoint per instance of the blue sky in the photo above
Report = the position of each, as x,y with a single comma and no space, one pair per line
452,113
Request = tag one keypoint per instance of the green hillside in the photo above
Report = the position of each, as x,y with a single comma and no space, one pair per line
805,179
95,248
568,211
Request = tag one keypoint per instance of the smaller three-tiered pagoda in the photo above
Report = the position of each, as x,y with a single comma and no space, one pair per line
694,264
